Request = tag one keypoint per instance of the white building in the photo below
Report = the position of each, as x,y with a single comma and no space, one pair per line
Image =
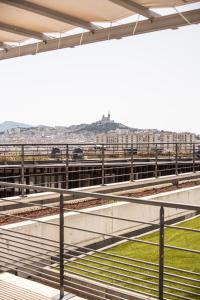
145,141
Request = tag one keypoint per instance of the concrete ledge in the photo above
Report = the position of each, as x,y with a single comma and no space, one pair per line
114,188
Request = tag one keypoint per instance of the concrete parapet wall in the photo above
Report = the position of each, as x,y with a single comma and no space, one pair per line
95,223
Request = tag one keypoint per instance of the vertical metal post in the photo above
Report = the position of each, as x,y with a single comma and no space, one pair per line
176,160
61,241
156,161
132,171
103,165
148,152
161,253
67,167
22,169
193,158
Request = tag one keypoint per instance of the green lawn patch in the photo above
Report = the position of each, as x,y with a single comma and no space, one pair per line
129,273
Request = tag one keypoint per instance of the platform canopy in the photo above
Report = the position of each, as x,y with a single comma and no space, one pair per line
34,26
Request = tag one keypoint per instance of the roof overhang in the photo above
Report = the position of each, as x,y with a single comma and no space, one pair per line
44,20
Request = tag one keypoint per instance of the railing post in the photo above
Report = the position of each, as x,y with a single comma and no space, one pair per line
148,150
67,167
176,160
61,246
156,161
132,171
22,169
103,165
193,159
161,253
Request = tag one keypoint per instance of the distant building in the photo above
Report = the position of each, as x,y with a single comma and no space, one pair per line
105,120
145,141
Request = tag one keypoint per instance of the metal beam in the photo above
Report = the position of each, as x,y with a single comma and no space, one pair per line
4,46
137,8
49,13
22,31
116,32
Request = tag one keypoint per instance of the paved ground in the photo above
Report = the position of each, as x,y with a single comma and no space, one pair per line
16,288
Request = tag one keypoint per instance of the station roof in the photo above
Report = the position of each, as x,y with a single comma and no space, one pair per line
30,27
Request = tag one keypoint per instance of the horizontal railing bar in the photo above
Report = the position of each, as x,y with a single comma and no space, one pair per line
127,270
123,269
177,296
182,249
32,236
86,230
182,228
133,239
143,274
112,284
130,265
111,260
182,283
95,144
88,293
181,277
73,250
111,272
110,235
136,260
110,278
105,196
78,211
28,219
15,241
30,274
86,286
22,248
28,259
113,235
182,270
126,276
18,265
180,290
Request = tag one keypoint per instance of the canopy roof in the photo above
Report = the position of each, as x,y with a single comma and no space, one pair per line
22,21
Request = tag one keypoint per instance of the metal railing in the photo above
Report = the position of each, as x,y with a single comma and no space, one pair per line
81,266
81,165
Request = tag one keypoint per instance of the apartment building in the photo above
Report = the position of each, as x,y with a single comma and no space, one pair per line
145,141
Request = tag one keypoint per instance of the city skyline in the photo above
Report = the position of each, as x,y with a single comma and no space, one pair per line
105,118
147,81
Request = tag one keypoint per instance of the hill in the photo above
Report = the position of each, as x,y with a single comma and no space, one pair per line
7,125
97,127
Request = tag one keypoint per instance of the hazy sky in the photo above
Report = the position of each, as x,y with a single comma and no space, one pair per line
146,81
